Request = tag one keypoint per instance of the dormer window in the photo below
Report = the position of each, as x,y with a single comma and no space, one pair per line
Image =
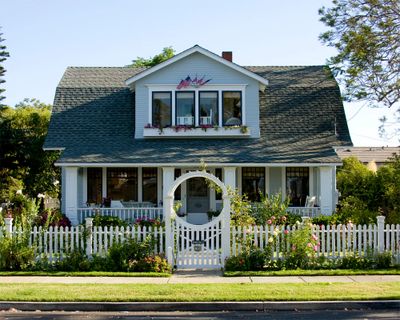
208,108
161,109
232,108
185,108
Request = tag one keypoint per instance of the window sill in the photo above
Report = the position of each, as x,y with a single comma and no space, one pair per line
223,132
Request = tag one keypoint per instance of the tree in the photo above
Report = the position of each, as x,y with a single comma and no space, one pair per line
3,56
366,34
23,162
167,53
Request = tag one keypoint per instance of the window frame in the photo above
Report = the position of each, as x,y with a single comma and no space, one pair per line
152,106
136,181
223,107
193,109
218,106
298,176
262,186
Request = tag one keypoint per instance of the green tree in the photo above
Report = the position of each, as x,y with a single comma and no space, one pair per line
366,34
3,56
167,53
22,159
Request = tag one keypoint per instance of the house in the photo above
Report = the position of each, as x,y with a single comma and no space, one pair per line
125,134
367,155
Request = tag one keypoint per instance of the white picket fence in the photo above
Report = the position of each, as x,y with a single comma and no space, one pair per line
56,242
334,241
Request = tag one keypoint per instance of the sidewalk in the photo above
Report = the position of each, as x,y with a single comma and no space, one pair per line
197,277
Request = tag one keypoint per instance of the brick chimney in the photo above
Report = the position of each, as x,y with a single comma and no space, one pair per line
227,55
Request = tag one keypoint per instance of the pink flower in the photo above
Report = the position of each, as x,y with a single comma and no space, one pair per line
269,221
283,218
314,237
273,217
286,232
309,244
293,247
315,248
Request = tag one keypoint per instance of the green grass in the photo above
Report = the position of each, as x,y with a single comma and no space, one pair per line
83,274
199,292
338,272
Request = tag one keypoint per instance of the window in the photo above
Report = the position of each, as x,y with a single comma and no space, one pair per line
177,174
122,184
297,182
253,183
185,108
218,174
94,185
232,108
149,183
161,112
208,108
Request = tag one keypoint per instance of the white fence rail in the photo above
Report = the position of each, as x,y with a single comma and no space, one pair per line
305,211
128,214
334,241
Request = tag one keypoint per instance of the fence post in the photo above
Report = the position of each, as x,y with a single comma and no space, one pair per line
89,236
8,222
381,233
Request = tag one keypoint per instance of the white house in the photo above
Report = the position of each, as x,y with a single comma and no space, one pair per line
127,133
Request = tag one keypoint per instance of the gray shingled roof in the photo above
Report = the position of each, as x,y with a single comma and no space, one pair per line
301,118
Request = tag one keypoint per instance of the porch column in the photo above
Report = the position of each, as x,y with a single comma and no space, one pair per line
71,194
326,190
230,177
168,180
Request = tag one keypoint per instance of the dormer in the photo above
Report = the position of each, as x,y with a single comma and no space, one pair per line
197,94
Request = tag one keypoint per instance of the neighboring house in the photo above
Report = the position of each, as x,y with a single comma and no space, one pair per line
127,133
378,155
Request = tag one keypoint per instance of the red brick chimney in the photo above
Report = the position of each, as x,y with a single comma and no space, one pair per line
227,55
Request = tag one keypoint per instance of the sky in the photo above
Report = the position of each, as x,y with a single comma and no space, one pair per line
44,37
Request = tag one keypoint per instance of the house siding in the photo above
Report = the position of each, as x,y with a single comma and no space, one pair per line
275,180
197,65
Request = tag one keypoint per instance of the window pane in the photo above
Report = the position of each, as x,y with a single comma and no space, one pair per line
232,106
253,182
208,108
122,184
149,177
185,108
218,174
161,109
94,185
177,174
297,182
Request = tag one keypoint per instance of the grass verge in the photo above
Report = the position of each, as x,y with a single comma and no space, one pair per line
83,274
199,292
339,272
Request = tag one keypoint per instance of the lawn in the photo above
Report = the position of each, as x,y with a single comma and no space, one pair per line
338,272
82,274
200,292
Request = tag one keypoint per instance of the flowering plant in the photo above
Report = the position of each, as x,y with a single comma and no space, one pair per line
148,222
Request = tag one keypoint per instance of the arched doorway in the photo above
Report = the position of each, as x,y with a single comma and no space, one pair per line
198,245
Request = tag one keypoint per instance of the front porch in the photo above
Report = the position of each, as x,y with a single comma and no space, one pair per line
137,192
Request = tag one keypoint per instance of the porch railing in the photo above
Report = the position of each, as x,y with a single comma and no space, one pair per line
128,214
305,211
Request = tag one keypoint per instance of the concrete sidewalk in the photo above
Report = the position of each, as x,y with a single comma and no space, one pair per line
199,276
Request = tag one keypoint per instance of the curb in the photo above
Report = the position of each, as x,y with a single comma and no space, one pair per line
201,306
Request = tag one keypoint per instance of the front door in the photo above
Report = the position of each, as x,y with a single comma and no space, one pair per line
198,200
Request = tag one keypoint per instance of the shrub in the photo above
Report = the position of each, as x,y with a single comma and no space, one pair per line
147,222
75,260
153,263
270,210
108,221
52,218
15,253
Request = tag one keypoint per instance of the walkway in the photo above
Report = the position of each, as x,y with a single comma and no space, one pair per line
196,276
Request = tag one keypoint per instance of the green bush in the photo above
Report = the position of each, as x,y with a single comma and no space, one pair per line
154,263
108,221
253,260
270,210
15,253
75,260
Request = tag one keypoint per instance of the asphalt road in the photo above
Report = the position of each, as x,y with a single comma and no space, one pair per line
279,315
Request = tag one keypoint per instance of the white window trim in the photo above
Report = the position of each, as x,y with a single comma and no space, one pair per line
212,87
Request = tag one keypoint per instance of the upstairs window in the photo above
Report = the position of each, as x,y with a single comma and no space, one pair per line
161,111
185,108
232,108
208,108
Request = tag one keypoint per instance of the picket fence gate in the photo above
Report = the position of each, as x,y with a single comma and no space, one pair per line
334,241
